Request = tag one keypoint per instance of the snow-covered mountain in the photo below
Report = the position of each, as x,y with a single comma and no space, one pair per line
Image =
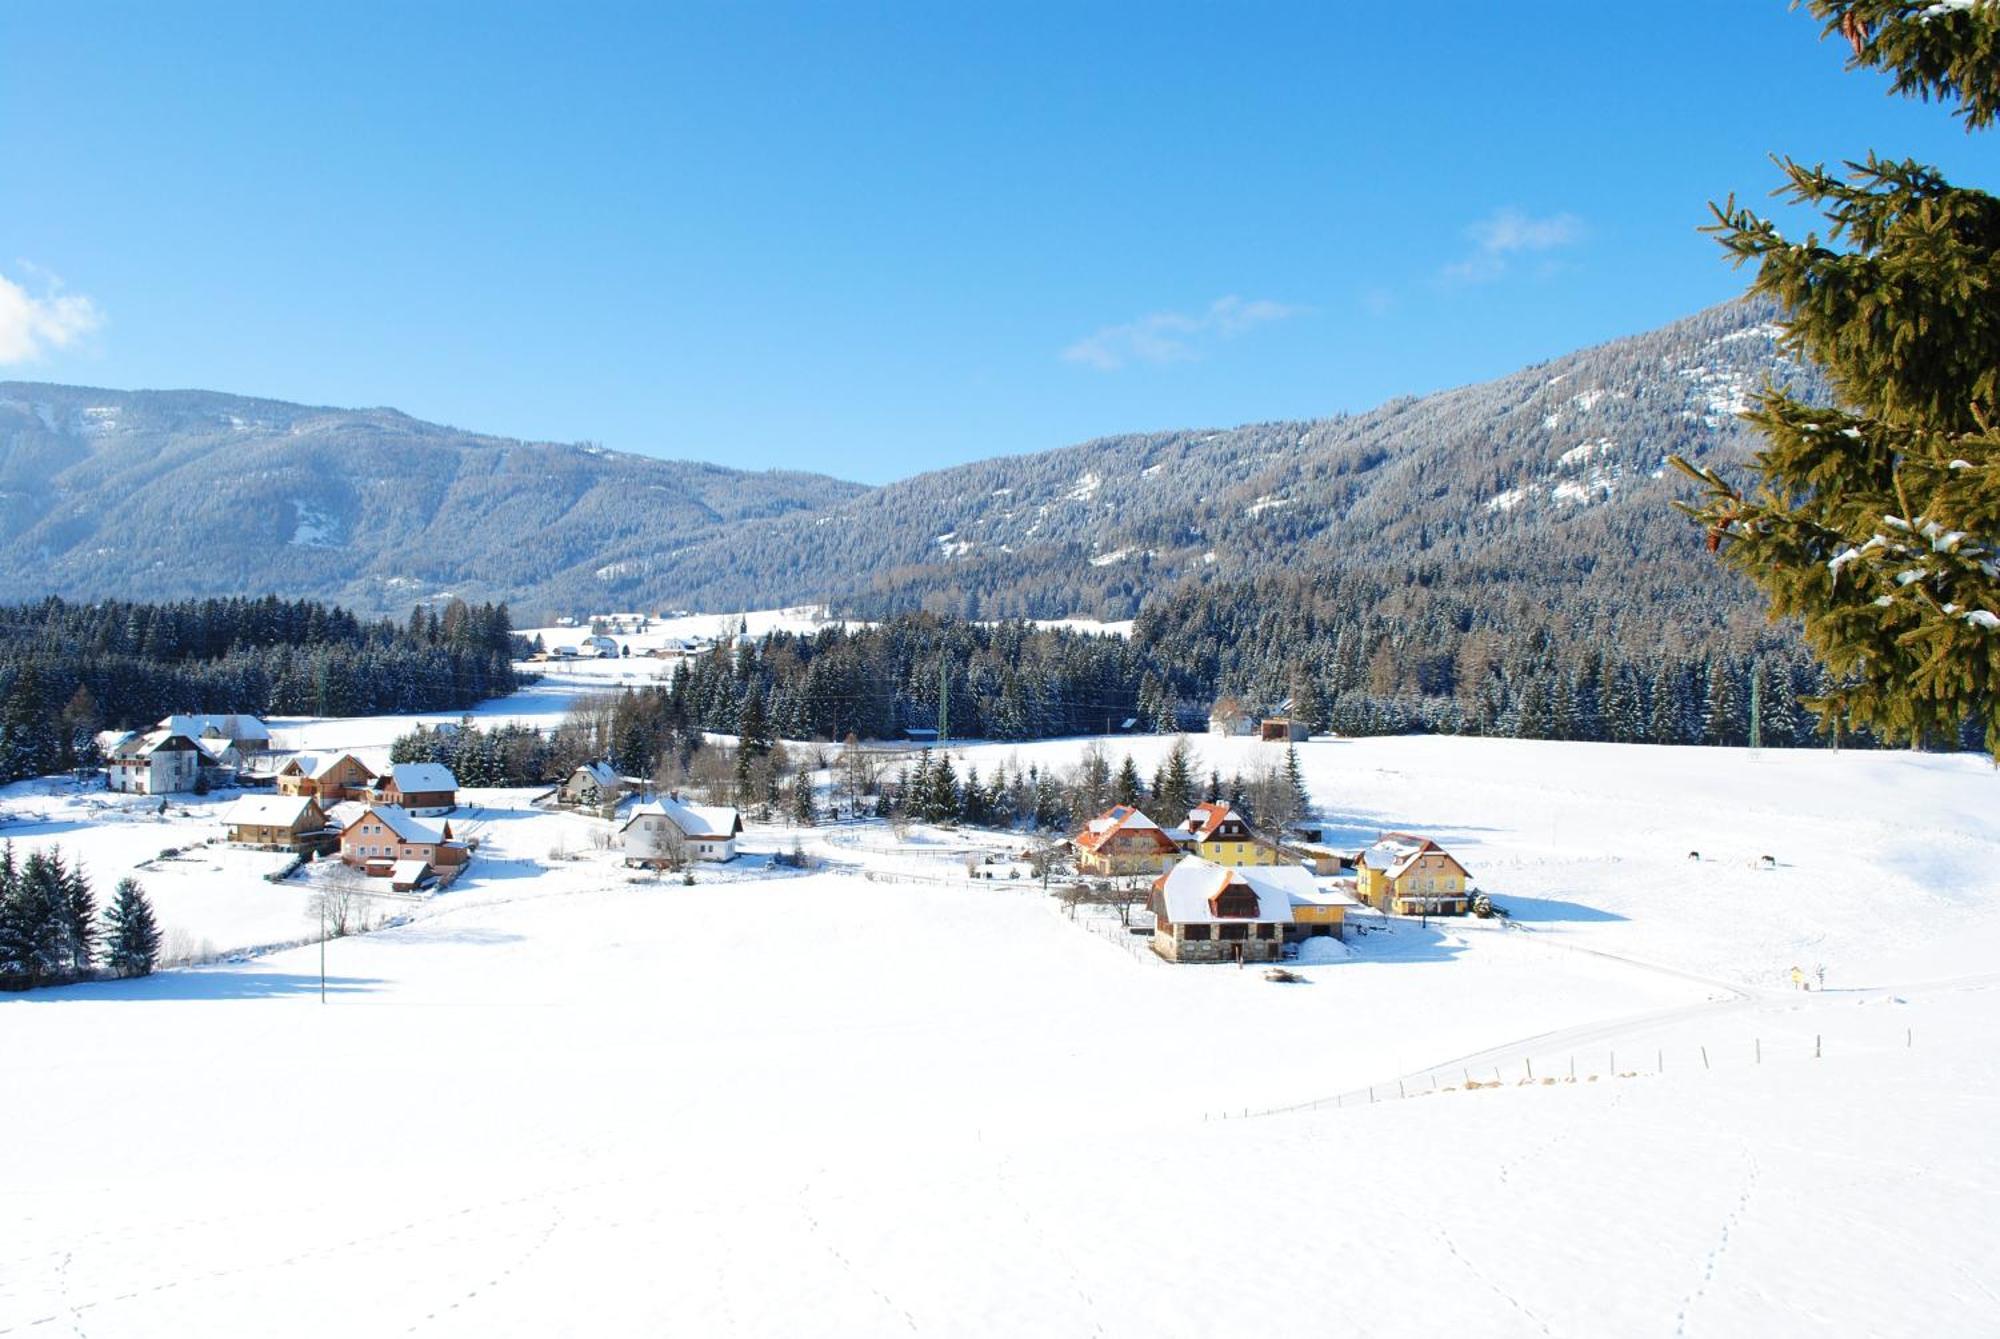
166,494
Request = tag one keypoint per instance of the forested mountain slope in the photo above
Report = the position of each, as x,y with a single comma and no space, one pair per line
169,494
1559,465
1555,473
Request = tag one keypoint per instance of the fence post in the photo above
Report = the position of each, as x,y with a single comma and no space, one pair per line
1906,1037
1531,1068
1760,1050
1815,1045
1704,1057
1660,1061
1399,1089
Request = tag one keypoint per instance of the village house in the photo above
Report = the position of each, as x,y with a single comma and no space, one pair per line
424,788
385,836
327,777
158,762
660,834
1228,717
248,733
1218,834
594,785
1122,841
1211,913
1411,875
1283,729
275,822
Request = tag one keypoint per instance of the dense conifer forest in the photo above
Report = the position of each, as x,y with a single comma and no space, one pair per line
69,670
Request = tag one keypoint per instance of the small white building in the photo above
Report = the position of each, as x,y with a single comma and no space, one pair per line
658,831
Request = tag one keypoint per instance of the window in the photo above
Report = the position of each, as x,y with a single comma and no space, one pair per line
1194,932
1236,931
1266,930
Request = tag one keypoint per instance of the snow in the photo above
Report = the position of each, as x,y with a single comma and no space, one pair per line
1506,501
1107,559
1266,503
847,1103
1585,453
1085,488
313,527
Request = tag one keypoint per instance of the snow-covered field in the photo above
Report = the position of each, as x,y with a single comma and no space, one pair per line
560,1100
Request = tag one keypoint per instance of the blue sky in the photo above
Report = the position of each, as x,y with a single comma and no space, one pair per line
873,239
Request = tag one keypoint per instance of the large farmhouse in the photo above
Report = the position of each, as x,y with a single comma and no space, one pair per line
159,762
1411,875
1122,841
1211,913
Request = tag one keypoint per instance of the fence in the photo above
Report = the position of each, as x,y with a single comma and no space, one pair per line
1630,1061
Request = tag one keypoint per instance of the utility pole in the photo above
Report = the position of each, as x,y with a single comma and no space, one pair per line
322,948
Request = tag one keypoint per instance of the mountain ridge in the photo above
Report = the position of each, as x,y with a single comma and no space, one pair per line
166,494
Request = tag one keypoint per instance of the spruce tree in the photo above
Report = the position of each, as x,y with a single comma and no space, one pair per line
131,939
1125,789
1877,524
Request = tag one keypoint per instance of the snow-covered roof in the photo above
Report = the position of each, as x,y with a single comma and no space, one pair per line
1188,890
422,778
1204,819
318,766
338,816
1395,852
408,871
215,749
1119,818
714,822
228,725
274,811
143,746
1303,889
603,773
407,826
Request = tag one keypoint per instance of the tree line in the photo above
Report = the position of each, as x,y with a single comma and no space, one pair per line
69,670
50,929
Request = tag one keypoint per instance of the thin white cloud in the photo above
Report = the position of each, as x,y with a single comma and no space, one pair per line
32,325
1174,337
1506,233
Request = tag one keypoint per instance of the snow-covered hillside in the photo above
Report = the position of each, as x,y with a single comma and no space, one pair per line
851,1103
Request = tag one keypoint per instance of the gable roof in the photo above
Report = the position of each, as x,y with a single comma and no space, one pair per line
422,778
1204,819
1120,818
407,826
225,725
338,816
1187,891
603,773
273,811
318,766
1395,852
707,822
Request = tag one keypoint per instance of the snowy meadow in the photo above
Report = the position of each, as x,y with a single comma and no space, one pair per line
563,1097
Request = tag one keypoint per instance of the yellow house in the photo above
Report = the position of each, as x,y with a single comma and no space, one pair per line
1408,875
1216,833
1122,841
1319,906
